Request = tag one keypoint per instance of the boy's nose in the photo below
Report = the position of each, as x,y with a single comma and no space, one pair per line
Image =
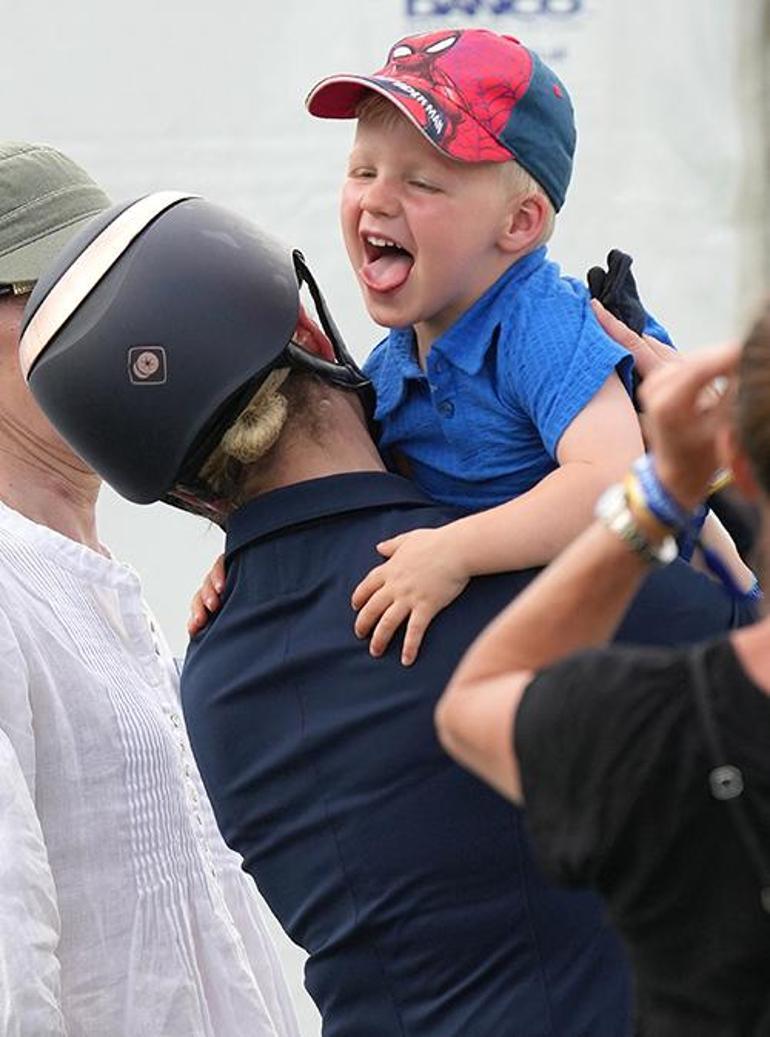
380,197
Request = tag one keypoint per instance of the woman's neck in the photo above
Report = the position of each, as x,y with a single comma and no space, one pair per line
46,483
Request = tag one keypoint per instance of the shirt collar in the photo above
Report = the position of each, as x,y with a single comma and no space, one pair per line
317,499
399,364
465,344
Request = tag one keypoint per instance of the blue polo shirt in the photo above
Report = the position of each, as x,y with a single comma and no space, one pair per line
481,424
411,885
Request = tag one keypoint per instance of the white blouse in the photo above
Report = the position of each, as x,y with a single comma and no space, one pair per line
122,913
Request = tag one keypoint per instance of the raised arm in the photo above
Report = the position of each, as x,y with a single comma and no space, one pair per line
579,600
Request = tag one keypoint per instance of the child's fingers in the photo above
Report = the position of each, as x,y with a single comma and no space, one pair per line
371,612
210,594
217,574
419,622
206,600
198,617
388,547
390,621
371,583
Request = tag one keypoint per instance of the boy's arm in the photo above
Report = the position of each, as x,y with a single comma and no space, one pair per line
595,450
579,600
428,568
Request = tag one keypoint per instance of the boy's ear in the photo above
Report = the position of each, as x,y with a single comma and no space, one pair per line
525,223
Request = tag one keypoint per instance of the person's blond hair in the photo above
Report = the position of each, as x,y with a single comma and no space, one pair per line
250,438
376,110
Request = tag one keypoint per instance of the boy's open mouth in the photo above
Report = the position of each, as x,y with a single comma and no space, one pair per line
386,265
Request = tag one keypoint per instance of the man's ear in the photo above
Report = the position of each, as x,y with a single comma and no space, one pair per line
736,460
525,223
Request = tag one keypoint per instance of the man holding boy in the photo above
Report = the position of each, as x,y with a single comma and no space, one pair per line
411,886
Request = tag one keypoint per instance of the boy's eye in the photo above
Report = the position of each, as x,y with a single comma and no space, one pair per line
361,173
425,185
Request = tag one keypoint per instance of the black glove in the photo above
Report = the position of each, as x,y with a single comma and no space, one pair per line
616,290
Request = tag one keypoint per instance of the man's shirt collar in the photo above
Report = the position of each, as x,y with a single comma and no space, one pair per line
316,499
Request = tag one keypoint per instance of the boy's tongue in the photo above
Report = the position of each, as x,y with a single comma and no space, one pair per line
387,271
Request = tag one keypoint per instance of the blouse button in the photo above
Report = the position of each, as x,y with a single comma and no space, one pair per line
447,408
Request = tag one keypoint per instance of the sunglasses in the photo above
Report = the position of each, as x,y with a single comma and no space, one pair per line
16,288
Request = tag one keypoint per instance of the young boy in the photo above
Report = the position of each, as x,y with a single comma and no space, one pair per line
496,385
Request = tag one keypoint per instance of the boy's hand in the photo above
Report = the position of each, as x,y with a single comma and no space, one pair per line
207,600
421,577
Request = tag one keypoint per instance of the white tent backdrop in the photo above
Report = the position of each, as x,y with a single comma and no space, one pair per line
671,101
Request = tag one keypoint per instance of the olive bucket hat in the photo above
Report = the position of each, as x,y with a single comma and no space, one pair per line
45,198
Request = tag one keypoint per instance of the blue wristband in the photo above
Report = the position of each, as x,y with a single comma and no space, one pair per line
666,510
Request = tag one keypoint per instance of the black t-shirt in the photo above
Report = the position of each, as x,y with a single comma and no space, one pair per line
615,769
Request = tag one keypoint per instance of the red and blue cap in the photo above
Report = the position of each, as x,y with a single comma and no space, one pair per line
476,95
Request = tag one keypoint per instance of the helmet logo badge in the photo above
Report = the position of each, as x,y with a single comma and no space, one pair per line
147,365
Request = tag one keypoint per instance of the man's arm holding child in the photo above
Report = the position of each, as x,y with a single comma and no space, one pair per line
427,568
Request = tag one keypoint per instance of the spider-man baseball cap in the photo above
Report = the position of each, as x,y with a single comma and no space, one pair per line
476,95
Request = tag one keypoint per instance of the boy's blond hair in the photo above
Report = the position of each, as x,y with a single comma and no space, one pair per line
376,110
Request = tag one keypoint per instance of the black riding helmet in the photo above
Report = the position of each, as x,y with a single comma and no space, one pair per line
152,330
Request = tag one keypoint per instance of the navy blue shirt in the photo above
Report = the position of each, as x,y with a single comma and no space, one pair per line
410,883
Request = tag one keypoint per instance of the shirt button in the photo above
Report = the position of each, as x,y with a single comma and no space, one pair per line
439,366
447,408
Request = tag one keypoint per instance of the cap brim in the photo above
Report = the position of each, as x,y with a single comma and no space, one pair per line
28,262
339,97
